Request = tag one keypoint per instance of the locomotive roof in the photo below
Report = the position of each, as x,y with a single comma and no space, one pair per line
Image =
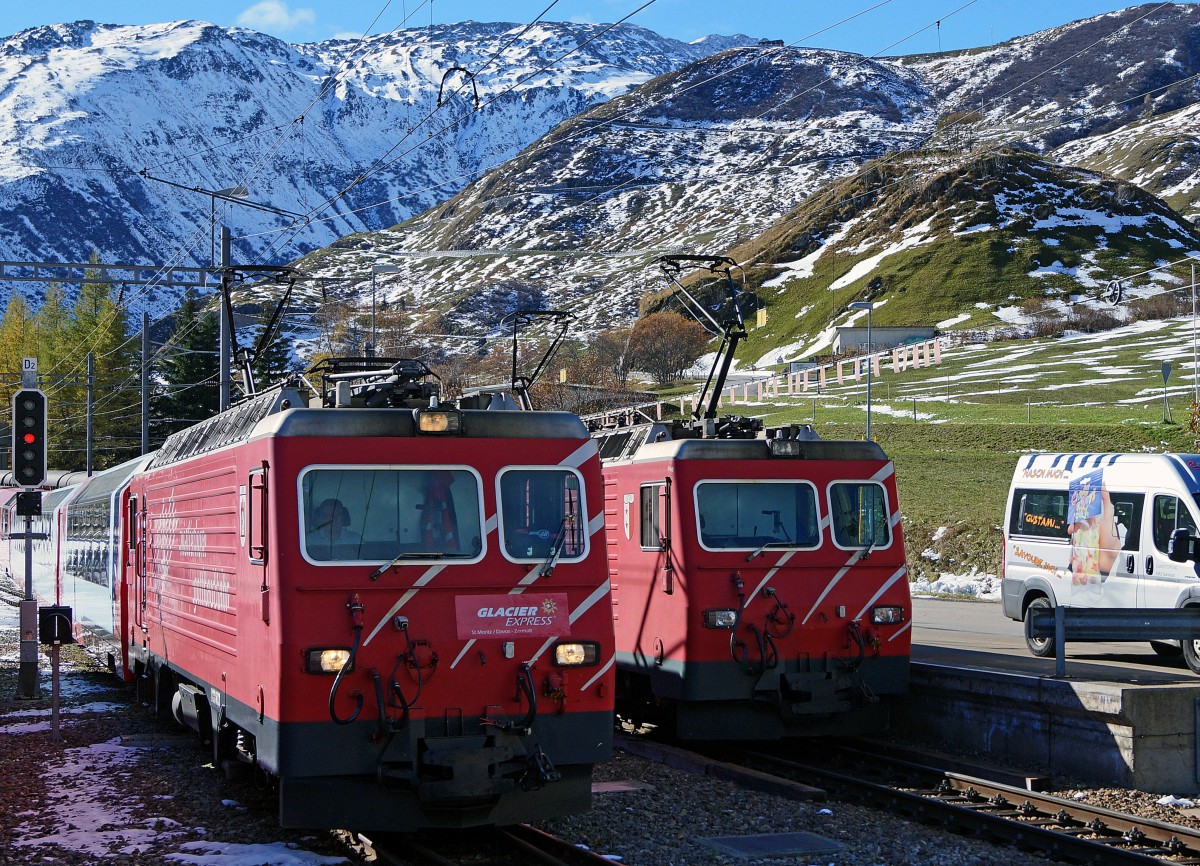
477,424
631,444
284,413
231,426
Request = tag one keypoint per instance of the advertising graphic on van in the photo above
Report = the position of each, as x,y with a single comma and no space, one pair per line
1102,530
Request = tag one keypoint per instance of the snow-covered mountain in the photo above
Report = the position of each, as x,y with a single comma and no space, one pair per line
741,145
397,122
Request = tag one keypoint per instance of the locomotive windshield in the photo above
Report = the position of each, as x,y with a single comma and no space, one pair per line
750,514
542,514
377,514
859,515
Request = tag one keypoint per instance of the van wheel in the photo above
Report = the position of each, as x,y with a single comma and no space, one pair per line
1191,654
1042,646
1168,649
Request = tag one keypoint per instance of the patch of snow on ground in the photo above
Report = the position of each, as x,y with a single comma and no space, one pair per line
976,583
947,323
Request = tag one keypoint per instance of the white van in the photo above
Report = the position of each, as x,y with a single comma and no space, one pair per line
1103,530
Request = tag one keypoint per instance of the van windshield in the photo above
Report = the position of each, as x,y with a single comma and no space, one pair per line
749,514
373,515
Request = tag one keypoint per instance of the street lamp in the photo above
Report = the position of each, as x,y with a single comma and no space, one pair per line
868,306
377,269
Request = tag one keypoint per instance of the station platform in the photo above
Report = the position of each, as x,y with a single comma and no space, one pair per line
1121,716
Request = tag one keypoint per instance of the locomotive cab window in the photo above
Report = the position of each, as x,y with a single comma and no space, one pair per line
542,514
745,515
374,514
859,515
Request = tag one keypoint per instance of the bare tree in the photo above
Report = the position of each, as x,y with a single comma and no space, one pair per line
666,344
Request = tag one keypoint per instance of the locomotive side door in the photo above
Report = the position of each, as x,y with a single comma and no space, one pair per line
258,535
137,556
654,528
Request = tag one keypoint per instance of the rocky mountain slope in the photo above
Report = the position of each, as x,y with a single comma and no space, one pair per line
395,120
753,141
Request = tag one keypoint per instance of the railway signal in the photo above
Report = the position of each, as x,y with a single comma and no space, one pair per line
29,437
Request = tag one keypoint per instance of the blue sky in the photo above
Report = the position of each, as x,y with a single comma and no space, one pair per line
883,27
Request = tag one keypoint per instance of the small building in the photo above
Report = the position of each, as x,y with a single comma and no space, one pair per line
853,340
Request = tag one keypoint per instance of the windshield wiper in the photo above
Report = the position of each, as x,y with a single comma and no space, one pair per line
408,554
767,544
556,548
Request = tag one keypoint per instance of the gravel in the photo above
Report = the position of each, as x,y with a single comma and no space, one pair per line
119,788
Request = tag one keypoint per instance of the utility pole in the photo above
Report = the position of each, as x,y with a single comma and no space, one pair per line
89,423
223,327
145,383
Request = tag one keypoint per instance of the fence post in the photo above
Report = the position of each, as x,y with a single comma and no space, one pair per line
1060,641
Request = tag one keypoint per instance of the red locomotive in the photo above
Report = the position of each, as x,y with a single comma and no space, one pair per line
759,579
395,607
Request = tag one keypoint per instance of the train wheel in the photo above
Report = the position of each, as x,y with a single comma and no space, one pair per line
1039,646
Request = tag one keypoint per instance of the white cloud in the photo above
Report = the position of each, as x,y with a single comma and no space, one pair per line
274,15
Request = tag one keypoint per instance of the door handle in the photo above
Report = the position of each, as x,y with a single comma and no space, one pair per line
1129,563
1149,565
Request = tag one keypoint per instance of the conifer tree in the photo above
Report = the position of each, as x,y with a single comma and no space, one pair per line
186,388
17,341
273,363
98,325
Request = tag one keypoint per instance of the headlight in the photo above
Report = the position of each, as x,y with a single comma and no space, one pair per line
573,655
328,660
720,618
883,615
438,421
784,447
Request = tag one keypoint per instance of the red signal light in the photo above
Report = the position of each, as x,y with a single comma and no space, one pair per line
30,438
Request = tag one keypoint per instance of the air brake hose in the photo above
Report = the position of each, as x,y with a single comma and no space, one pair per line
525,684
857,637
381,728
394,684
356,616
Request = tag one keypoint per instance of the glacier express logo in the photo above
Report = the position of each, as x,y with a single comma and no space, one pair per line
506,616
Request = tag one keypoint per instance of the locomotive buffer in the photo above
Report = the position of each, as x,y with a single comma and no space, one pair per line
29,471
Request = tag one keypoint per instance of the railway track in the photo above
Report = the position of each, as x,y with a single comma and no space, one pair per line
1053,826
518,845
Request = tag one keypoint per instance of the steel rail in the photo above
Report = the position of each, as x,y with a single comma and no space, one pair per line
518,845
1060,828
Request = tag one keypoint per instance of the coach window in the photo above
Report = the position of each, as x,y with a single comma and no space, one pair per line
1170,513
747,515
378,514
859,515
542,514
